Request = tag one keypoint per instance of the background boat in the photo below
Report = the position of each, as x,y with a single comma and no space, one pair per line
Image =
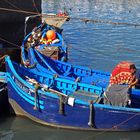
56,20
53,47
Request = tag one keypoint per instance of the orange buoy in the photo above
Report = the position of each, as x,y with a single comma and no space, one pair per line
51,35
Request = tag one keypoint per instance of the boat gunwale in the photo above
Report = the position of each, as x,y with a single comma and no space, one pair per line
101,106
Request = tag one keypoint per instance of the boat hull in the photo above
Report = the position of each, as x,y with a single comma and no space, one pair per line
56,49
54,19
52,107
76,117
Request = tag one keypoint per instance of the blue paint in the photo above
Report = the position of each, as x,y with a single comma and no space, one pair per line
105,117
44,28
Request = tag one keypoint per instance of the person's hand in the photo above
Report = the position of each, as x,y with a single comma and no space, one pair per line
129,102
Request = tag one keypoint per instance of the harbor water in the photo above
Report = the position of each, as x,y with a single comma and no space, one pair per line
99,45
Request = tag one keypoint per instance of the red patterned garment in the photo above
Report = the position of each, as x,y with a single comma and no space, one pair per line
123,73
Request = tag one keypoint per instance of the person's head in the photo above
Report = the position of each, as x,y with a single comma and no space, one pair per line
133,68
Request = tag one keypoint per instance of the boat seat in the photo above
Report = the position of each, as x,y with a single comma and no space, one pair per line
86,96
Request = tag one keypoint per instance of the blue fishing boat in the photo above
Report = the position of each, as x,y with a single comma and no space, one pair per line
75,73
64,103
47,40
65,69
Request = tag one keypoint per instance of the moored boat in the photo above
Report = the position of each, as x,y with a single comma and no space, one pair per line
81,109
65,69
47,40
56,20
80,74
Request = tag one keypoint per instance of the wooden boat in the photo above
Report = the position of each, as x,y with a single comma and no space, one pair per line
62,69
47,40
75,73
56,20
80,109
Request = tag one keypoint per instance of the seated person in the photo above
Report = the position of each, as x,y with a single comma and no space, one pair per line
124,73
137,85
122,78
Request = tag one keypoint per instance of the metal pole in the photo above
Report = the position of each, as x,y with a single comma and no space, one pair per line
61,105
26,19
90,123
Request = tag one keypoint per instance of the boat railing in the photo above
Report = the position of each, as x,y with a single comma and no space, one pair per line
45,62
60,83
3,77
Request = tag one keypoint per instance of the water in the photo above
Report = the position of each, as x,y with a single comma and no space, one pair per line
24,129
100,46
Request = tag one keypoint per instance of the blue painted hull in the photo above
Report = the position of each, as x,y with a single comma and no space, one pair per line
76,117
49,110
87,76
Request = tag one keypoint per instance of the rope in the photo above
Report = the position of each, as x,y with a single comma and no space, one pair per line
112,127
86,20
8,42
12,4
2,60
18,11
26,17
34,4
2,85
